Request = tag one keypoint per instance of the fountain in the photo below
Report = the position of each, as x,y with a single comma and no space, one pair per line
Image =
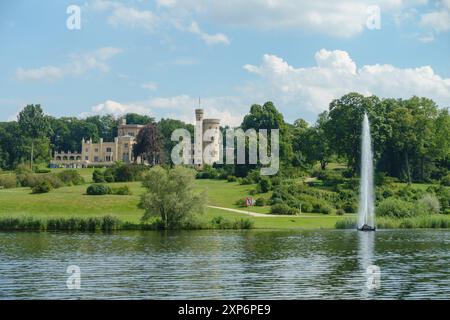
366,211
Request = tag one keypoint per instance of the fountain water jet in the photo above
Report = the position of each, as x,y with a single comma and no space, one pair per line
366,211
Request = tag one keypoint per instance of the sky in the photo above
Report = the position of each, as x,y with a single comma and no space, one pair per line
159,57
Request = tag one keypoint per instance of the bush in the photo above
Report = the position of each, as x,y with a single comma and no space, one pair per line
246,181
42,187
108,175
22,168
241,202
53,179
231,179
70,177
264,185
431,203
307,207
260,202
445,181
42,170
27,179
8,181
122,191
283,208
395,208
98,176
340,212
98,189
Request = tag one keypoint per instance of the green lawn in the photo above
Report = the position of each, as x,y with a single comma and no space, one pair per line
72,202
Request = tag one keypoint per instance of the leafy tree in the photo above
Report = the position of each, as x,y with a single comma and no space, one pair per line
33,125
171,196
148,144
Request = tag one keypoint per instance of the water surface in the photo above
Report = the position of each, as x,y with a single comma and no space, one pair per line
254,264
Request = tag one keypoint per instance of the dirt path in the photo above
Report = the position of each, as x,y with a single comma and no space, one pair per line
255,214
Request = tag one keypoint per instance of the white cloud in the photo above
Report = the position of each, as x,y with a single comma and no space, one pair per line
228,109
78,64
132,17
343,19
335,74
152,86
209,39
42,73
439,21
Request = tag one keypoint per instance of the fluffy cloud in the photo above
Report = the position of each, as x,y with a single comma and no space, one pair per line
336,74
78,64
227,109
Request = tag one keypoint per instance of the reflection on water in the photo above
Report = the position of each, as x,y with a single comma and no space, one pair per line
255,264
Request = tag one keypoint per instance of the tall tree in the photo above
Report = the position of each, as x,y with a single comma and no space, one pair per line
34,125
148,144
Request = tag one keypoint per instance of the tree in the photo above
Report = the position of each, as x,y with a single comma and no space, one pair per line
171,196
34,125
166,127
311,143
148,144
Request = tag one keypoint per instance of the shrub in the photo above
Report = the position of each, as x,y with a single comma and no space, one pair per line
340,212
241,202
42,170
246,181
445,181
42,187
108,175
431,203
22,168
283,208
98,176
70,177
231,179
27,179
395,208
264,185
53,179
122,191
350,207
8,181
260,202
98,189
307,207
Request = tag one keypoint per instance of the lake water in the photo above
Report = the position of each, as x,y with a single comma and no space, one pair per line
254,264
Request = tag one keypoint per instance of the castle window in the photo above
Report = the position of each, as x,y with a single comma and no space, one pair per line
87,149
86,158
108,149
131,134
96,149
126,145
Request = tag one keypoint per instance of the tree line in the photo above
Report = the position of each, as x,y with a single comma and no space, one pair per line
410,136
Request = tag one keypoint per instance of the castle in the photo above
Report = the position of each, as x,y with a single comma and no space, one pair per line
121,149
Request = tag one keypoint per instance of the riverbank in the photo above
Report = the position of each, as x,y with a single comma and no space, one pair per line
22,210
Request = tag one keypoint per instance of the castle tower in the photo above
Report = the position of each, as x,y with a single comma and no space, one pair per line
212,143
198,139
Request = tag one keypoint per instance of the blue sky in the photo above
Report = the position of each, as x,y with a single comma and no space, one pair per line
158,57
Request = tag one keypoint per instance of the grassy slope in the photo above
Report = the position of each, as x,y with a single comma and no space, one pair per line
71,201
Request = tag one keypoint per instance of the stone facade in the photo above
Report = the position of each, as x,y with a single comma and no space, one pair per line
102,153
206,150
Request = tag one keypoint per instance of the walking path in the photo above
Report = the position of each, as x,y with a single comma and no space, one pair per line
255,214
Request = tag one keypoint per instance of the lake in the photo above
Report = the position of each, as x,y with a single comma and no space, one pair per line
252,264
